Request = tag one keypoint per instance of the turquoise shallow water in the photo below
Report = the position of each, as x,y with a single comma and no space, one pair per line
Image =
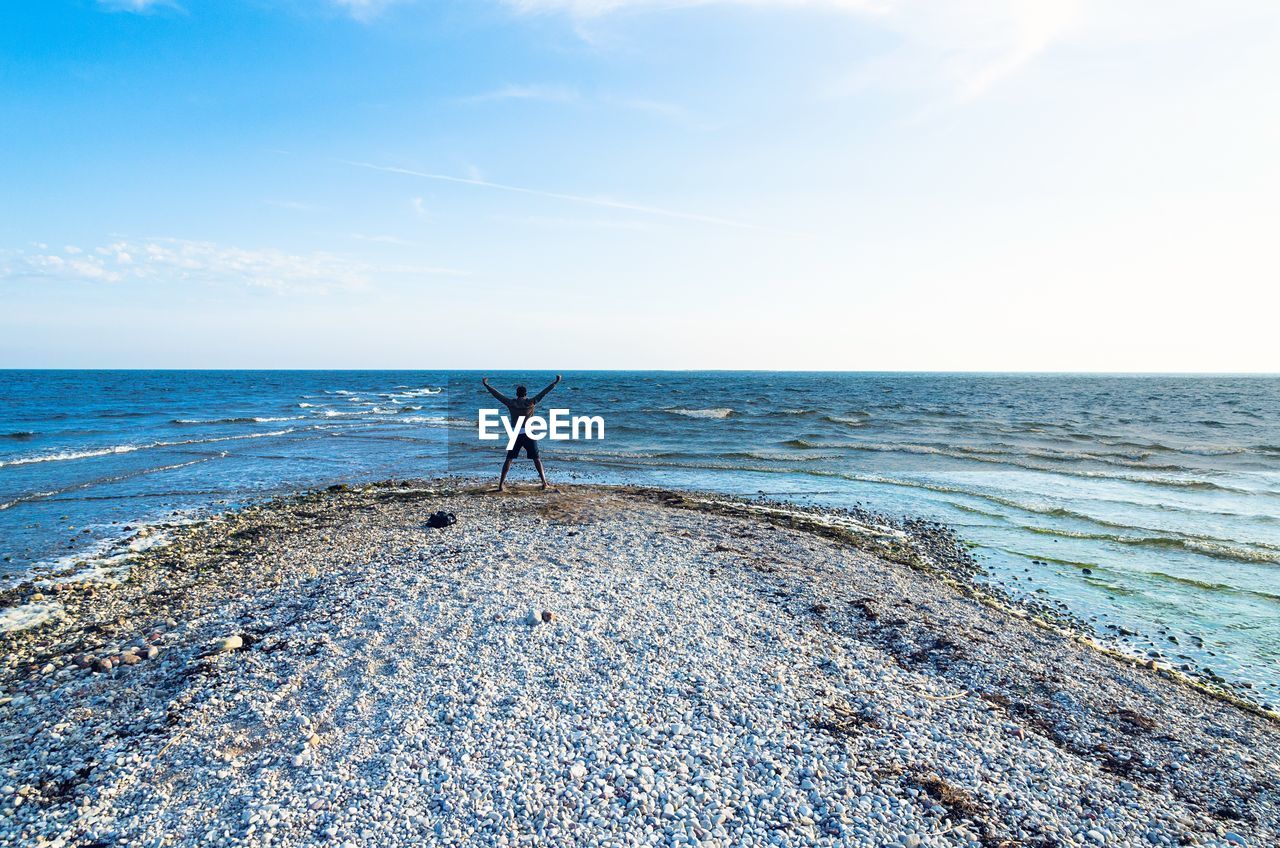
1150,504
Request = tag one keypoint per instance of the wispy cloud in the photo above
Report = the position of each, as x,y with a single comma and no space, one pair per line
605,202
363,10
380,239
967,45
547,93
661,108
136,5
559,223
169,260
295,205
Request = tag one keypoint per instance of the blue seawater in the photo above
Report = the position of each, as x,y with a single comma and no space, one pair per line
1149,504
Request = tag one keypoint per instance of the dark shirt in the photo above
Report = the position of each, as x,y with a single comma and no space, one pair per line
520,407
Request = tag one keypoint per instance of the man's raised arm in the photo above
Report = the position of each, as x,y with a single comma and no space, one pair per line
499,395
540,395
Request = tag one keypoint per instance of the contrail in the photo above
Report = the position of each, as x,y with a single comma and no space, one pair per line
575,198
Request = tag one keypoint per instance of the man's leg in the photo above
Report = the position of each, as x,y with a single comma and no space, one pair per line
537,463
506,466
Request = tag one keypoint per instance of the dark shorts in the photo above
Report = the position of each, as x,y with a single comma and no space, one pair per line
523,441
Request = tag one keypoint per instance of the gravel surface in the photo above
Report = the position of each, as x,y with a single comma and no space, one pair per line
593,667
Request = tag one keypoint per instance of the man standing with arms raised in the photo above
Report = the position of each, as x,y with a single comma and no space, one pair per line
520,409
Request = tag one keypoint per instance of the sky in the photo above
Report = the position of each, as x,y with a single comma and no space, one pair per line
995,185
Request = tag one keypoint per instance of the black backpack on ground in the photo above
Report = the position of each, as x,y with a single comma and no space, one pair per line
441,520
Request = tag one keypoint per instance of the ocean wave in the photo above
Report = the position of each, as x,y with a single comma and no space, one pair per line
1214,548
241,420
844,421
435,419
33,496
713,412
1219,548
978,454
805,444
64,456
100,481
1212,586
1255,552
19,434
777,456
1073,563
601,455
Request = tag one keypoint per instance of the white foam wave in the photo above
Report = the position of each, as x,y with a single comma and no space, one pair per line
714,412
28,615
116,449
35,496
248,419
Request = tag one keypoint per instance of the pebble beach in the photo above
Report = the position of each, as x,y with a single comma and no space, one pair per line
594,666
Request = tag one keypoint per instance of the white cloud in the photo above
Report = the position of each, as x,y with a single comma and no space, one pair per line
167,260
363,10
380,238
135,5
606,202
549,93
295,205
967,45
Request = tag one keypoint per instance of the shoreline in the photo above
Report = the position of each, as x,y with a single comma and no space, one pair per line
974,668
931,546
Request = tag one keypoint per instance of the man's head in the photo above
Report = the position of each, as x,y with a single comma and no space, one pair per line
521,391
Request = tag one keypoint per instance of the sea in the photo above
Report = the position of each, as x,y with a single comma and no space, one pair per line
1148,505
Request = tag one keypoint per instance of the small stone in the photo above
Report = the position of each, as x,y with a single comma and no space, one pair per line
152,652
84,661
1234,838
104,664
548,616
129,658
577,771
231,643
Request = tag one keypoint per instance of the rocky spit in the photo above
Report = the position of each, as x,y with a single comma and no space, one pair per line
591,667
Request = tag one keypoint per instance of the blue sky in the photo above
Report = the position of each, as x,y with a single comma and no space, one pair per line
560,184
